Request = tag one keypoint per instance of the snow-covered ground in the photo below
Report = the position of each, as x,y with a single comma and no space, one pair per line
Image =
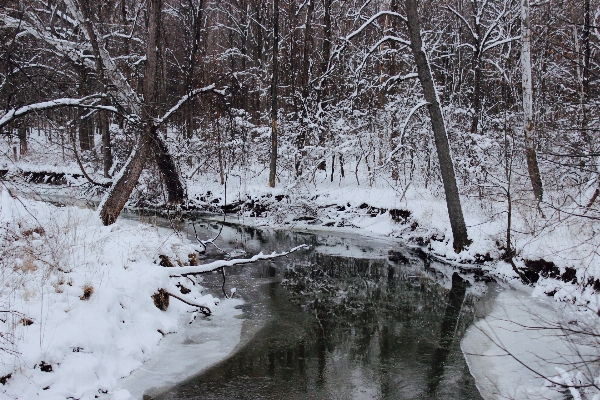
527,348
77,311
356,205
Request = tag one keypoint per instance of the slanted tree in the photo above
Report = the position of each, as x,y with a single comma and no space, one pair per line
457,222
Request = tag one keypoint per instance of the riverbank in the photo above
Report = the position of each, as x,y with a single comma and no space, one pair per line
558,250
555,248
167,360
78,311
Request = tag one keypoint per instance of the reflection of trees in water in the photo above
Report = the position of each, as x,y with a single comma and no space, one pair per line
384,313
387,319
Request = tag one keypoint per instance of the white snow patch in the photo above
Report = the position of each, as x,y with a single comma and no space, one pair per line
59,344
517,324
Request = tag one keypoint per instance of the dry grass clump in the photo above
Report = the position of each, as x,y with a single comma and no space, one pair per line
38,230
27,265
88,290
161,299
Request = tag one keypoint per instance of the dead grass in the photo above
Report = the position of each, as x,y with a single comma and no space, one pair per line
88,290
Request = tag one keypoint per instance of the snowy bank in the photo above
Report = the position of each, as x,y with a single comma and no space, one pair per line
531,348
77,307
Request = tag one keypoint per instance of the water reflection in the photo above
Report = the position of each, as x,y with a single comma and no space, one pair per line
456,296
352,319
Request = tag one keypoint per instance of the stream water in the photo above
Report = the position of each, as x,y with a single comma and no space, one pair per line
352,318
361,318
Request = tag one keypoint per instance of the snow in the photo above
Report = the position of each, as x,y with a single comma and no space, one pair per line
514,323
91,343
567,241
194,348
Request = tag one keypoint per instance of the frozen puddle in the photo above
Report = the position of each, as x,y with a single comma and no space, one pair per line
192,349
512,325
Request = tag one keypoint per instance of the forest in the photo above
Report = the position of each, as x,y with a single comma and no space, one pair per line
468,128
347,88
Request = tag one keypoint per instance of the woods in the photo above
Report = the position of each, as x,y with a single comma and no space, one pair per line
464,130
192,89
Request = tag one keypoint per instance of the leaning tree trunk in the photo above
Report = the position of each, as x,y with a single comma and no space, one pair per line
532,163
168,169
148,139
121,190
274,105
457,222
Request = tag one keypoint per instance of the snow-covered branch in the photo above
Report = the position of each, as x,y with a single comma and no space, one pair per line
371,20
48,105
182,101
201,269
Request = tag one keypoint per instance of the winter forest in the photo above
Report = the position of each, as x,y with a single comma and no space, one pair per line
149,146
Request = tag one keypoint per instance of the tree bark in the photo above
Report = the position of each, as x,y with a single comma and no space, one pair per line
476,92
196,16
107,158
528,128
103,120
22,133
123,186
84,125
459,229
168,169
587,51
327,33
327,36
301,139
274,105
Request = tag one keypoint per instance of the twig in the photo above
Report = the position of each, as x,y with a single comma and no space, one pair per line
203,309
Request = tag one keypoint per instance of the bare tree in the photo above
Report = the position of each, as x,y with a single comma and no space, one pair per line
457,222
528,126
274,99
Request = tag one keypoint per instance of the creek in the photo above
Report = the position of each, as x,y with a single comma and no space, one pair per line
351,318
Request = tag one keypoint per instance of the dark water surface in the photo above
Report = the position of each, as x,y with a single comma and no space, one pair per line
352,318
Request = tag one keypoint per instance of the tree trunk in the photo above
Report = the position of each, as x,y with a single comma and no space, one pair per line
476,93
22,134
327,36
196,15
530,154
84,125
85,133
168,169
122,188
301,139
104,126
477,73
332,166
324,66
459,229
587,51
148,140
274,105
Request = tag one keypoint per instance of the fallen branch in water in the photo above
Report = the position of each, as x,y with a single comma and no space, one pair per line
202,269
